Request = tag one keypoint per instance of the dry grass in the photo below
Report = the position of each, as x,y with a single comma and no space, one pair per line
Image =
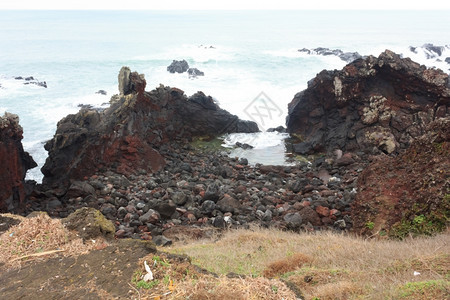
39,236
339,266
285,265
234,288
176,278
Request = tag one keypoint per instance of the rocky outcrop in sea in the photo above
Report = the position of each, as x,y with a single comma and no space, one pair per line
374,105
14,162
345,56
181,66
431,51
127,136
178,66
31,80
194,72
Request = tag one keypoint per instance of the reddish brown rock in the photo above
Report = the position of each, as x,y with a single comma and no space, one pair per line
323,211
373,104
14,162
409,193
309,215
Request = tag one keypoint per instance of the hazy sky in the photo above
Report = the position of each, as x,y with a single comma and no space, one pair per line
229,4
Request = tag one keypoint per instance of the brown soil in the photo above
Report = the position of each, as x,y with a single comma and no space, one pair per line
100,274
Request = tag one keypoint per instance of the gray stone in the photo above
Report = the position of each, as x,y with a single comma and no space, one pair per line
179,198
267,216
219,222
293,220
340,224
208,206
228,204
80,189
161,240
212,192
151,216
165,208
124,81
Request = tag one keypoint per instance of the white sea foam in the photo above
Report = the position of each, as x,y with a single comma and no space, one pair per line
268,147
198,53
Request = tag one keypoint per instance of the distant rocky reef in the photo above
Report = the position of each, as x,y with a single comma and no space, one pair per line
345,56
31,80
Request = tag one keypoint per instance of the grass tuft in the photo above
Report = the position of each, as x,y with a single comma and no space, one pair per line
40,234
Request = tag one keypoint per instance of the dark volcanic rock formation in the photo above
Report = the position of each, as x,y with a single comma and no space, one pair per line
373,104
409,193
178,66
14,163
126,136
345,56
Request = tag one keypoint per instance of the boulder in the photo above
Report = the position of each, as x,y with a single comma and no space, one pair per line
14,162
127,136
244,146
162,241
229,204
372,105
178,66
89,224
293,220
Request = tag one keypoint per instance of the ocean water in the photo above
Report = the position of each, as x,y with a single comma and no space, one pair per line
249,58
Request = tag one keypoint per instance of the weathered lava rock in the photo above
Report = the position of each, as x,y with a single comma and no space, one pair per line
409,193
14,162
126,136
373,104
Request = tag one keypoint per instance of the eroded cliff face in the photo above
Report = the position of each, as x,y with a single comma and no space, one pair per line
126,137
14,162
373,105
409,193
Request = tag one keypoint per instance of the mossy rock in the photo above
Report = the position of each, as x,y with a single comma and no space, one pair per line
208,144
89,223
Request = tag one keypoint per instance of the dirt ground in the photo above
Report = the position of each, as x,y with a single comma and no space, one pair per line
100,274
